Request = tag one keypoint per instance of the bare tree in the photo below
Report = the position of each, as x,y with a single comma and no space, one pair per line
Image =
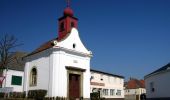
7,45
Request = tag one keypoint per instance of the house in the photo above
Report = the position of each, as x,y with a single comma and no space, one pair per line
108,85
157,84
62,65
134,89
13,76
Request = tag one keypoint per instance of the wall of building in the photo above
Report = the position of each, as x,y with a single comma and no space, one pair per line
134,94
8,80
40,61
104,81
137,91
65,55
160,84
63,59
51,66
73,38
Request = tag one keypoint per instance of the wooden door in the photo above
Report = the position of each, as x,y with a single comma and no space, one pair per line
74,86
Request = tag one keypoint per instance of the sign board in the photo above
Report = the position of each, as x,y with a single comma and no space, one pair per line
6,89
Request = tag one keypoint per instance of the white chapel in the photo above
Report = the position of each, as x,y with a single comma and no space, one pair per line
62,65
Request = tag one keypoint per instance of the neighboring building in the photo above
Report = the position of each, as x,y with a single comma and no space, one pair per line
62,65
157,84
134,89
13,74
109,85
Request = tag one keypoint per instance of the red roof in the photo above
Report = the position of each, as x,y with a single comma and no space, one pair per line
134,84
43,47
46,45
68,11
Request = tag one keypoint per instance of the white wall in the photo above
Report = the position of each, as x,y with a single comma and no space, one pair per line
65,55
41,61
7,81
73,38
61,60
137,91
51,66
161,84
110,82
130,94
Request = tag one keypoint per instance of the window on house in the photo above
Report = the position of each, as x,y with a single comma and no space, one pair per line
61,26
105,92
101,77
16,80
74,45
152,89
72,24
33,77
112,92
118,92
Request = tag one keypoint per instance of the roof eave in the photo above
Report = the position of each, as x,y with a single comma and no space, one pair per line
107,73
156,73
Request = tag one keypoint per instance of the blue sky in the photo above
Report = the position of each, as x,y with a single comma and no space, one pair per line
127,37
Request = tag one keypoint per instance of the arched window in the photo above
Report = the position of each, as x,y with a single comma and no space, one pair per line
33,77
62,26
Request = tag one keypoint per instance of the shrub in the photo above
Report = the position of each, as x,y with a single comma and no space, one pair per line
2,95
17,94
95,96
37,94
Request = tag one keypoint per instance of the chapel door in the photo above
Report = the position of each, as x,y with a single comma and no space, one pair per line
74,86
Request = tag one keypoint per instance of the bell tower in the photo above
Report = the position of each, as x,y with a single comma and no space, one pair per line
66,22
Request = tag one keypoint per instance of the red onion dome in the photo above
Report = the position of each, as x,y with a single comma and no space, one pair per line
68,11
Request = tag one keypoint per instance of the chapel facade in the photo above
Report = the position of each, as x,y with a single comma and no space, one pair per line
62,65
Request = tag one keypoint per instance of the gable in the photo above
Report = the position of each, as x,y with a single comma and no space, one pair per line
73,42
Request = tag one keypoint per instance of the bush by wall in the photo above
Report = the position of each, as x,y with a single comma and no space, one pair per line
37,94
2,95
17,95
95,96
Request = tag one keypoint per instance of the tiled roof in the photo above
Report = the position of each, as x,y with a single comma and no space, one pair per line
142,82
97,71
134,84
46,45
43,47
164,68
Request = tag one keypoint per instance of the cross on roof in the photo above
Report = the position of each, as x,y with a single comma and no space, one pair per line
68,3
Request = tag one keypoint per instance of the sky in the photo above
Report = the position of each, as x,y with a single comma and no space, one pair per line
127,37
